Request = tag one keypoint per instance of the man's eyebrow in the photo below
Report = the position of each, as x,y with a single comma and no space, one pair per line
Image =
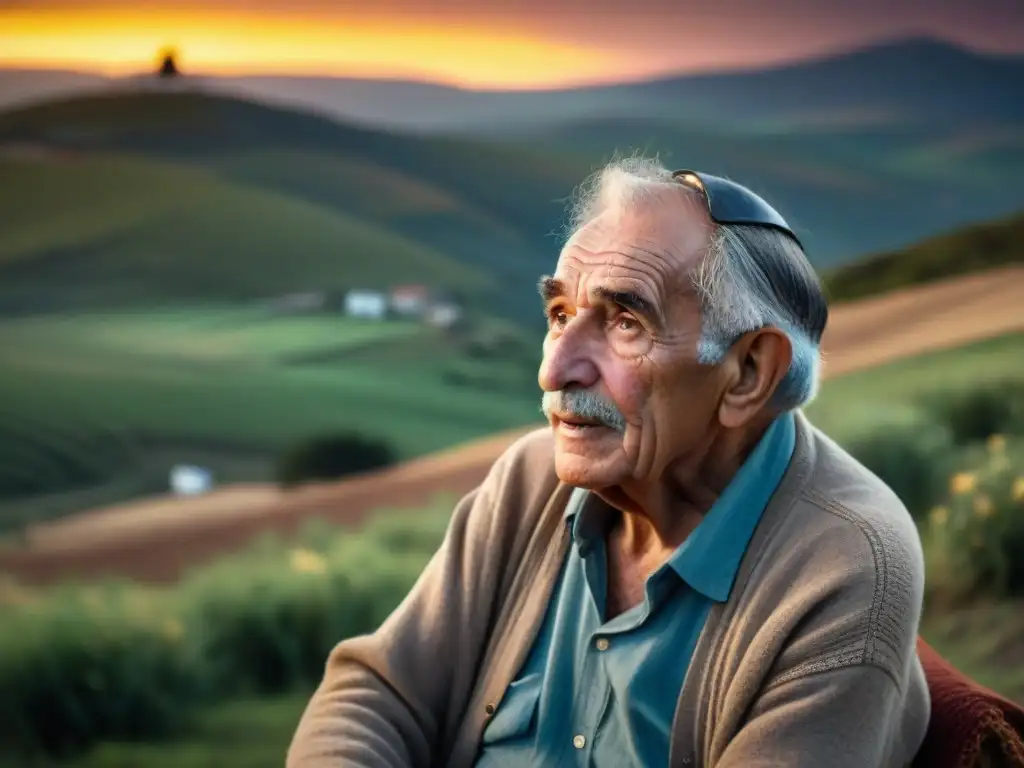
550,288
630,300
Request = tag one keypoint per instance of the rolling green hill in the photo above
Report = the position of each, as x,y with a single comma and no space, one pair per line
108,229
973,249
490,204
298,184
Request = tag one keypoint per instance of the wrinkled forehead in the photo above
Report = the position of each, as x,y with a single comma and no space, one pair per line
665,235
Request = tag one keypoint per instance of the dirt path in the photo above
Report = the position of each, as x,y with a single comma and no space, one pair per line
155,540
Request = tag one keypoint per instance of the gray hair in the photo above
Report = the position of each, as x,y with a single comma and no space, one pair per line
751,277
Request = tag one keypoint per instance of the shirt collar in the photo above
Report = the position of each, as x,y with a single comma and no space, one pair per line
710,557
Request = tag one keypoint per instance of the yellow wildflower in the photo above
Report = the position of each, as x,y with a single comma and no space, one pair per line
1018,489
939,515
137,605
962,482
996,443
307,561
982,505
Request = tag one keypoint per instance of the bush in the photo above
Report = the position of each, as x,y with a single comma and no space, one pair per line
82,664
113,663
329,457
974,542
911,457
266,624
973,415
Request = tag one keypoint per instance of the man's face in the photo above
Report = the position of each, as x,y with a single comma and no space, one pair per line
621,349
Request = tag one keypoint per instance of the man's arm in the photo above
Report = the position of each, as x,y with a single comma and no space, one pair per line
386,698
850,717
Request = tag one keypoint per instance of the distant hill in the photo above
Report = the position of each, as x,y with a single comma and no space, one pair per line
19,87
974,249
189,193
111,229
915,80
845,191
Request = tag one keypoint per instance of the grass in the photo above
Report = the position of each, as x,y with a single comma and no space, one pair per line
252,733
230,388
196,335
158,230
858,402
243,393
985,641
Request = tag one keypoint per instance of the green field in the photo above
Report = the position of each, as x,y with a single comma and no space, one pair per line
891,394
195,335
242,734
95,408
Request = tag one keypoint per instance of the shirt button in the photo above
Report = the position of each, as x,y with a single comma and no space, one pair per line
602,644
579,741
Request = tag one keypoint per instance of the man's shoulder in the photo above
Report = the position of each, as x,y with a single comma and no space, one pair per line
523,477
848,552
858,515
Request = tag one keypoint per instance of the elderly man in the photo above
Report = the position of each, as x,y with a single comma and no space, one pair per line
681,571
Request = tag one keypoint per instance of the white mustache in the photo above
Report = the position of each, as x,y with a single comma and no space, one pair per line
582,404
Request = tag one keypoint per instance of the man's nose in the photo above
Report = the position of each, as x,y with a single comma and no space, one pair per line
568,361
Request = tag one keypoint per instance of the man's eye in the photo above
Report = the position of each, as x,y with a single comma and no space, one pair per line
560,319
627,324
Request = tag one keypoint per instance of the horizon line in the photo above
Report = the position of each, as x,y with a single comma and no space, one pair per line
579,83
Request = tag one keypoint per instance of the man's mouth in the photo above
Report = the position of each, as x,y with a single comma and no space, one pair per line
576,422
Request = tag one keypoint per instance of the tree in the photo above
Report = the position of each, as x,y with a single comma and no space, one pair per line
332,456
168,64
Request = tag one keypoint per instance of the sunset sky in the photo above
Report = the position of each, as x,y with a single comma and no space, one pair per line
503,43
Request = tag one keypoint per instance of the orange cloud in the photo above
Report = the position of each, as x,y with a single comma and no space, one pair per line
121,41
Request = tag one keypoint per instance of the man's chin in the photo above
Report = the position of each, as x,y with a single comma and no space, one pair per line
590,472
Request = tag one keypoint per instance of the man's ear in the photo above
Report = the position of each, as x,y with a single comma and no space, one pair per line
761,359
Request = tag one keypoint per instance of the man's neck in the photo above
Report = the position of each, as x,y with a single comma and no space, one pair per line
661,515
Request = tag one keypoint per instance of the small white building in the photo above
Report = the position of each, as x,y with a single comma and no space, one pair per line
188,480
371,305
